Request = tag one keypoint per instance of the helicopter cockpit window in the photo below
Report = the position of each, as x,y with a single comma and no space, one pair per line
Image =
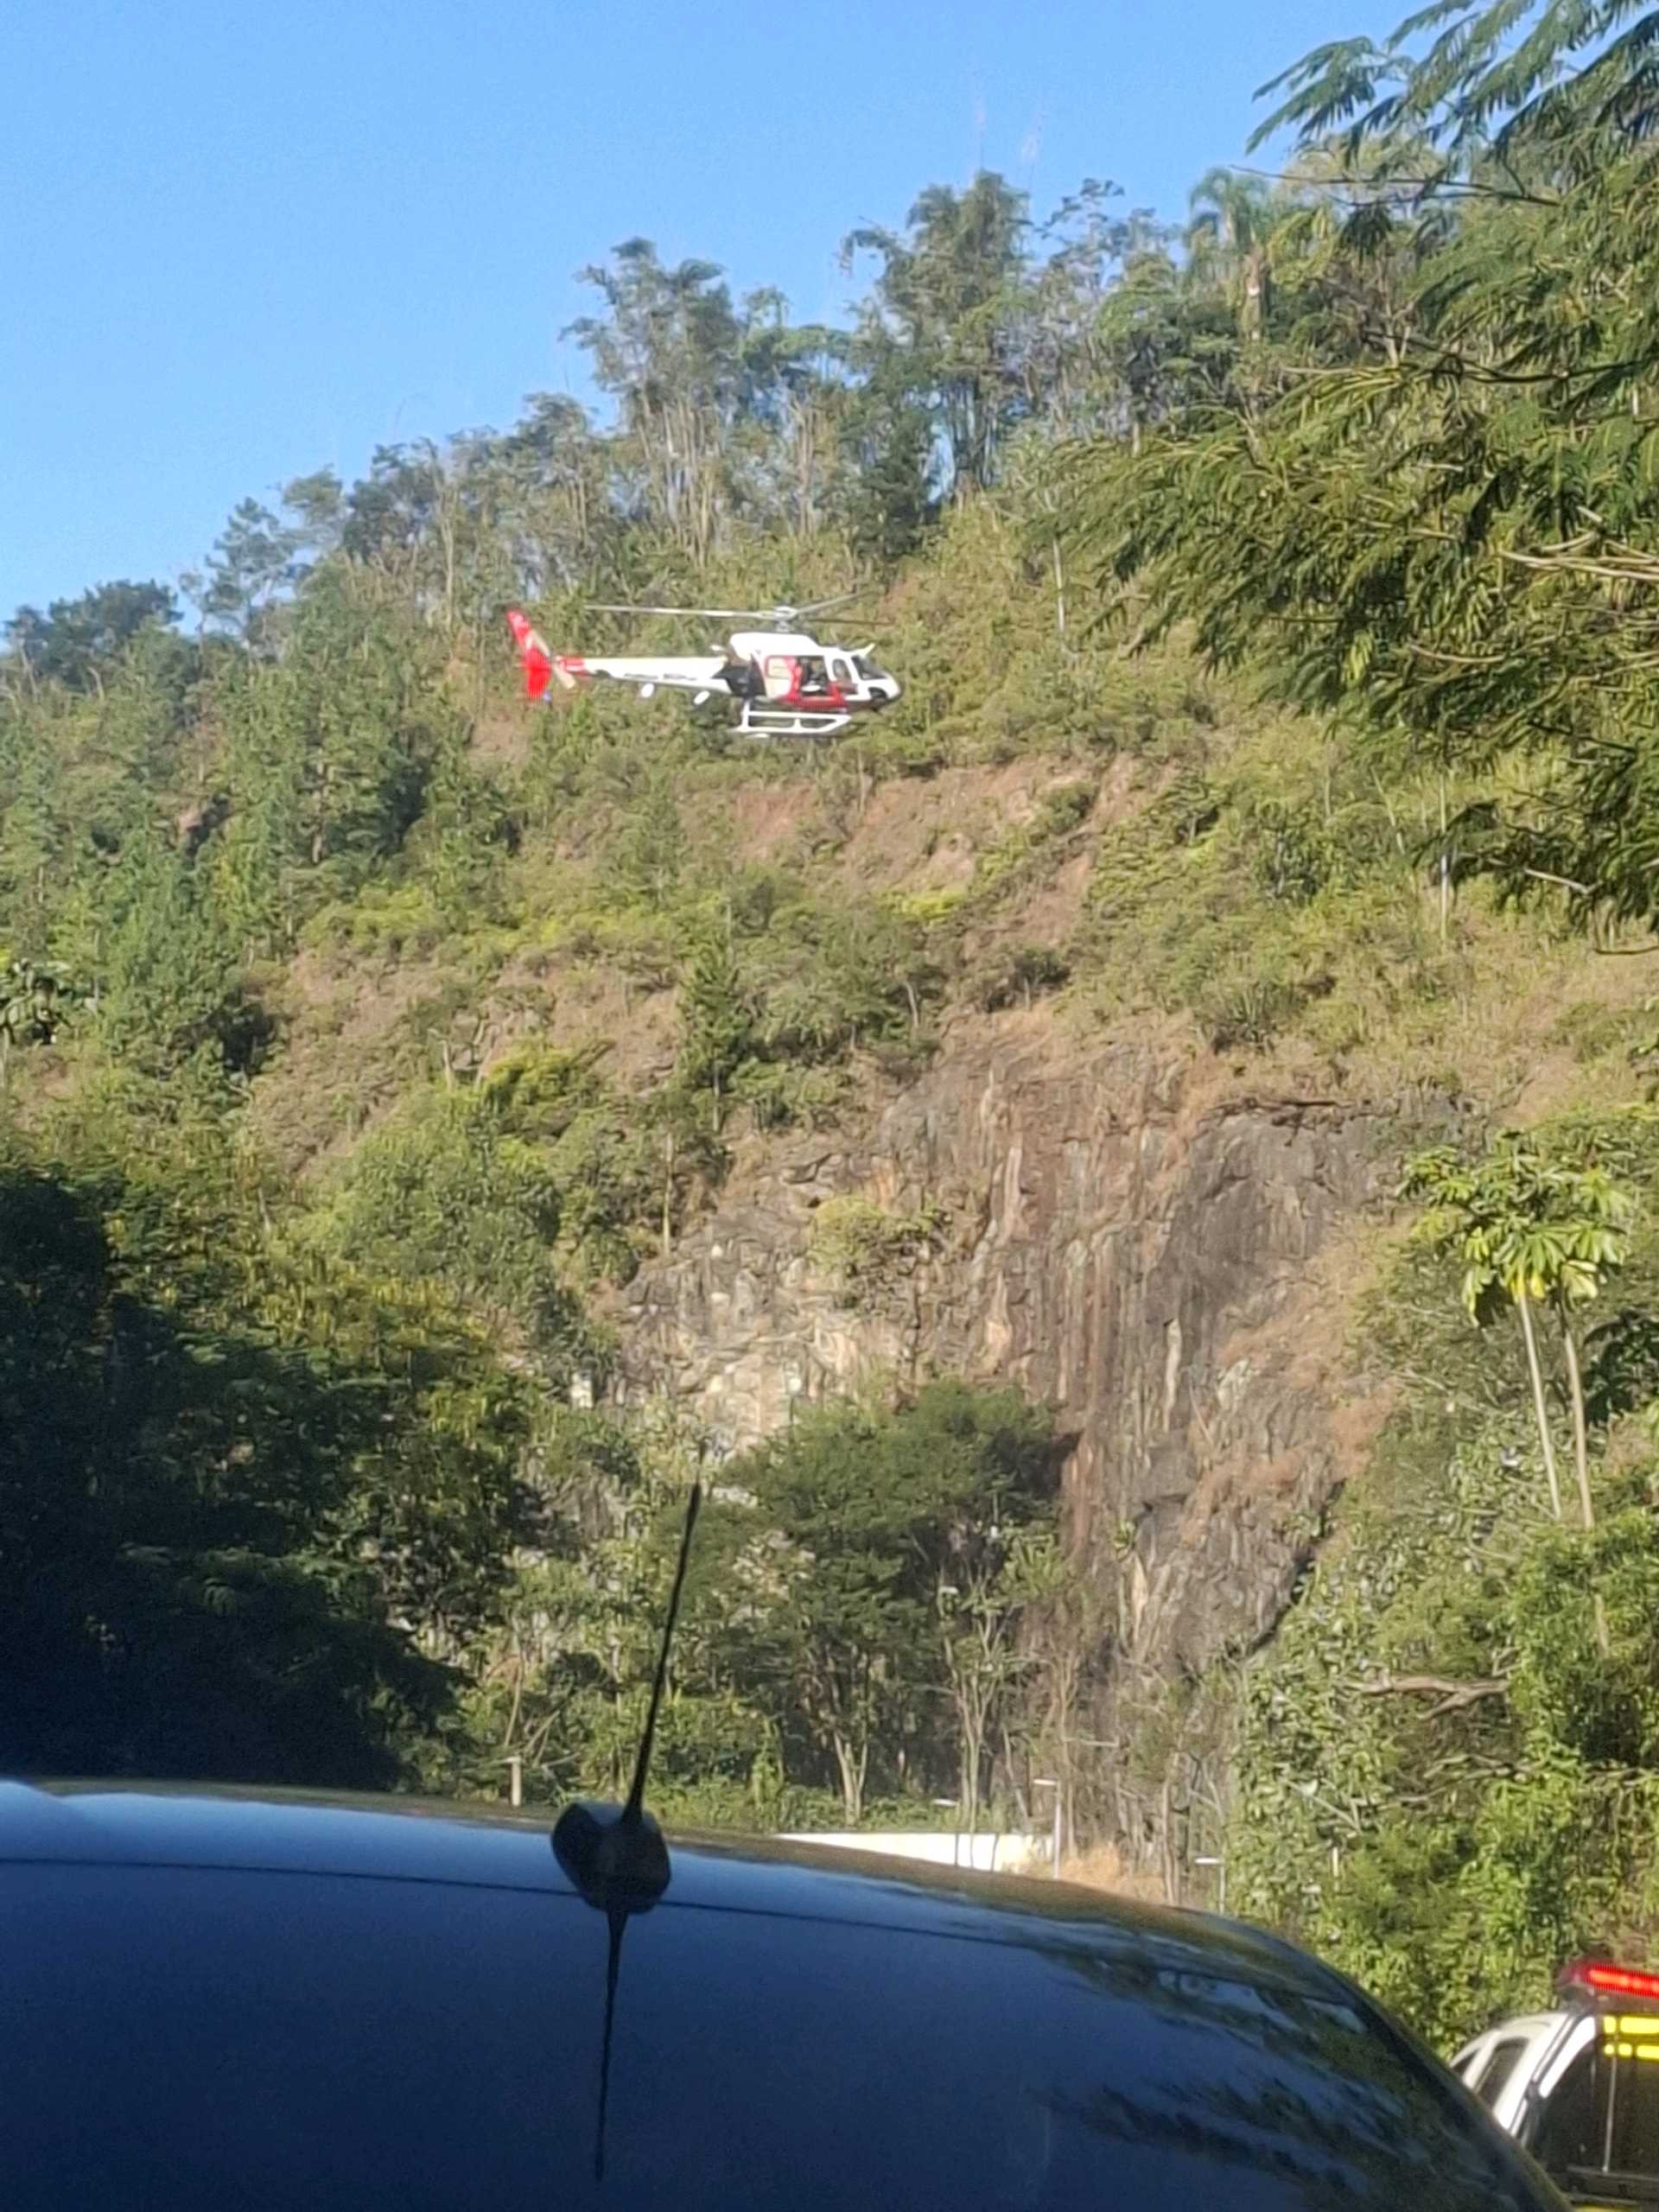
867,664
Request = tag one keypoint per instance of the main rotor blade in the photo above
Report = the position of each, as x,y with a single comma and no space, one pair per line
839,598
715,613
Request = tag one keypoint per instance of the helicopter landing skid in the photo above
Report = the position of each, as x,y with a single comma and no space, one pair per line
788,721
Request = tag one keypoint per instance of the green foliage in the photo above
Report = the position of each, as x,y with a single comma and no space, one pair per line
1525,1224
1450,1854
986,1609
537,1090
719,1021
77,642
647,856
1017,976
238,1491
455,851
1447,1760
866,1246
1263,889
1533,1222
34,1003
816,1653
443,1194
942,301
1432,517
173,986
333,752
852,1522
930,907
252,563
839,978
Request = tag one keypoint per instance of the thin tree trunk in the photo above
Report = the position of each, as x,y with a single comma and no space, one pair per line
1445,869
1581,1456
667,1200
973,1763
1580,1442
1393,821
1540,1408
449,534
518,1695
852,1764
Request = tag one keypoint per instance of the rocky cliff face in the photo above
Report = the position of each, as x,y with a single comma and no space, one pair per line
1154,1266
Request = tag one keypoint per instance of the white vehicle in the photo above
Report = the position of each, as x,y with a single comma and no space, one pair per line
783,681
1579,2087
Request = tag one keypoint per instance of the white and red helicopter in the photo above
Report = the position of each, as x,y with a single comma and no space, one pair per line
784,681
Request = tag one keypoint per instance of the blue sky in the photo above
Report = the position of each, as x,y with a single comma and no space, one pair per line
243,241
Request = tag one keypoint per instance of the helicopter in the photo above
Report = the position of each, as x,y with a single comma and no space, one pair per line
783,681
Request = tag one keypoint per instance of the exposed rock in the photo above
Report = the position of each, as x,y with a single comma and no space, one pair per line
196,822
1150,1265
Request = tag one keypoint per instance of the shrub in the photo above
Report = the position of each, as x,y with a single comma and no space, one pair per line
867,1246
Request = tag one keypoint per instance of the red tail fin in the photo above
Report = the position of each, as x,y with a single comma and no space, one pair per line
532,652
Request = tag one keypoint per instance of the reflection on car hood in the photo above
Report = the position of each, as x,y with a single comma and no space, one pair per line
407,1839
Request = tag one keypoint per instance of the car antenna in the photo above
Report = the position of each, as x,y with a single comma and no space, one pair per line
614,1855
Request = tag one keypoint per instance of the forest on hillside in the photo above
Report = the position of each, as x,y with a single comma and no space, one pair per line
362,1035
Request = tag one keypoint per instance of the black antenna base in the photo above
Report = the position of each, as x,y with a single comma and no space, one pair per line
614,1855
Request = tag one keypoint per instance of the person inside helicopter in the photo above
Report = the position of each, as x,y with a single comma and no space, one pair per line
741,676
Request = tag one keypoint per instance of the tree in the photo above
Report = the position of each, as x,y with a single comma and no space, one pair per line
857,1520
563,1680
332,749
1233,218
651,849
555,510
1530,1231
1446,1762
171,986
1057,314
1445,531
236,1496
441,1193
76,641
942,302
687,1159
666,350
985,1609
1168,343
883,500
252,563
855,974
795,407
317,504
33,1002
717,1019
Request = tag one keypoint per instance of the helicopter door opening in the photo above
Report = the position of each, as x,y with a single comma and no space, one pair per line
781,675
843,676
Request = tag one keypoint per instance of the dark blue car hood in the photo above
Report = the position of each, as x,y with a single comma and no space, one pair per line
223,1999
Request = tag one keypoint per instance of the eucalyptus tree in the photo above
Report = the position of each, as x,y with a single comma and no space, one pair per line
942,306
665,349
